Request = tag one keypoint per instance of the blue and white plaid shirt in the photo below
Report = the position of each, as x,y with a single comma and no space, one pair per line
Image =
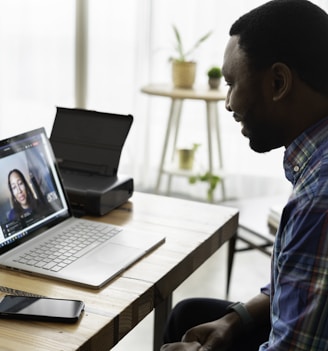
299,275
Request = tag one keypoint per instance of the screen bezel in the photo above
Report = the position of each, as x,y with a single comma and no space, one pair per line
8,148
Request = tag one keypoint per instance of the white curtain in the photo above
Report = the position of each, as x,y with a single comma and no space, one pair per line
36,62
123,45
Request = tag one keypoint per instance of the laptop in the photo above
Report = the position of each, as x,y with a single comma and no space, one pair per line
35,217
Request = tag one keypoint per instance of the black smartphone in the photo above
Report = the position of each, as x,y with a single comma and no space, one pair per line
40,309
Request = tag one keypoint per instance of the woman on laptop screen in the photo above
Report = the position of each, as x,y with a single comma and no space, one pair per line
23,201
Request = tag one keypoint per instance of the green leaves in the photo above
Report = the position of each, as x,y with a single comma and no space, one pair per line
182,55
214,72
210,178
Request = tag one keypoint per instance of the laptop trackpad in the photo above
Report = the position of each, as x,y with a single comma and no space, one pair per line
103,264
113,254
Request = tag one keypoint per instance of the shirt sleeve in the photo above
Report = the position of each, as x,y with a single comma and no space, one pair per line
300,284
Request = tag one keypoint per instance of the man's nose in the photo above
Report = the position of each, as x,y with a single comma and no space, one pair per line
227,104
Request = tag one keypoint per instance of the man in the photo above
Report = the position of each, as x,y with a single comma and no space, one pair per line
276,68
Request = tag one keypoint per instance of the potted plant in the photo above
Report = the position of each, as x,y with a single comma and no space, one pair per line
183,67
186,157
214,77
212,181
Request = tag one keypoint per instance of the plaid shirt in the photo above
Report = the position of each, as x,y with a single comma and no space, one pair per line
299,275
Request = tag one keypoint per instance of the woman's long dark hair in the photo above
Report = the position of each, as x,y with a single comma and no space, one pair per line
31,201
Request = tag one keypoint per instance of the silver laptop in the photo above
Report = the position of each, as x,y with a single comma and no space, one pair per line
39,234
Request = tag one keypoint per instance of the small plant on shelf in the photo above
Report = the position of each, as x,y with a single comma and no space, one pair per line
214,77
183,66
212,181
214,72
186,157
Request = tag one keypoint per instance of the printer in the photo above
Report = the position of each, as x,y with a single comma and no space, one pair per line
87,146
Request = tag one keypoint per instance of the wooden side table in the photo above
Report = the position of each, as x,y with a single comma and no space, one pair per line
177,96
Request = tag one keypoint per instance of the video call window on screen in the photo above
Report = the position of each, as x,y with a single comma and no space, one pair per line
28,190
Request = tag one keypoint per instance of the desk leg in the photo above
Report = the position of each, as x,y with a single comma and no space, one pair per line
162,312
231,254
172,125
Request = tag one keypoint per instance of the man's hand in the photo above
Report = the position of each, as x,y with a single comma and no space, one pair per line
206,337
181,346
220,334
213,336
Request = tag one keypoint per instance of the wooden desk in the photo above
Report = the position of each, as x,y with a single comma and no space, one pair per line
193,232
177,96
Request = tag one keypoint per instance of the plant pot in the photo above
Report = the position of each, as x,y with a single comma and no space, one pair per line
214,83
186,158
183,74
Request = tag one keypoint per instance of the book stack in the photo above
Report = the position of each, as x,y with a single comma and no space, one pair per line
274,216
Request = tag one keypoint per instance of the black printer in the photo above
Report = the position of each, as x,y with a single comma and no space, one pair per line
88,145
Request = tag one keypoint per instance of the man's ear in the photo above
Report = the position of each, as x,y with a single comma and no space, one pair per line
282,79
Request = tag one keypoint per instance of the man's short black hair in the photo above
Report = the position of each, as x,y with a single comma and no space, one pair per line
294,32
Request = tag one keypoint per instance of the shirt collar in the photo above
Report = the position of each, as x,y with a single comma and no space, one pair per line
300,150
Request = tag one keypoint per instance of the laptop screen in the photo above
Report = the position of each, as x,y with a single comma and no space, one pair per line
31,195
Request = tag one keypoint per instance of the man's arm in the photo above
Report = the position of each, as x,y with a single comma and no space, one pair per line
220,333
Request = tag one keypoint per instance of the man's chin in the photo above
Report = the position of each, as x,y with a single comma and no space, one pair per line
244,132
259,147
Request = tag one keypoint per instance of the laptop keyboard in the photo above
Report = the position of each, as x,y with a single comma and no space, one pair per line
71,244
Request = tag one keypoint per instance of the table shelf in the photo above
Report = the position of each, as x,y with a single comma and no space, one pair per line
173,170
